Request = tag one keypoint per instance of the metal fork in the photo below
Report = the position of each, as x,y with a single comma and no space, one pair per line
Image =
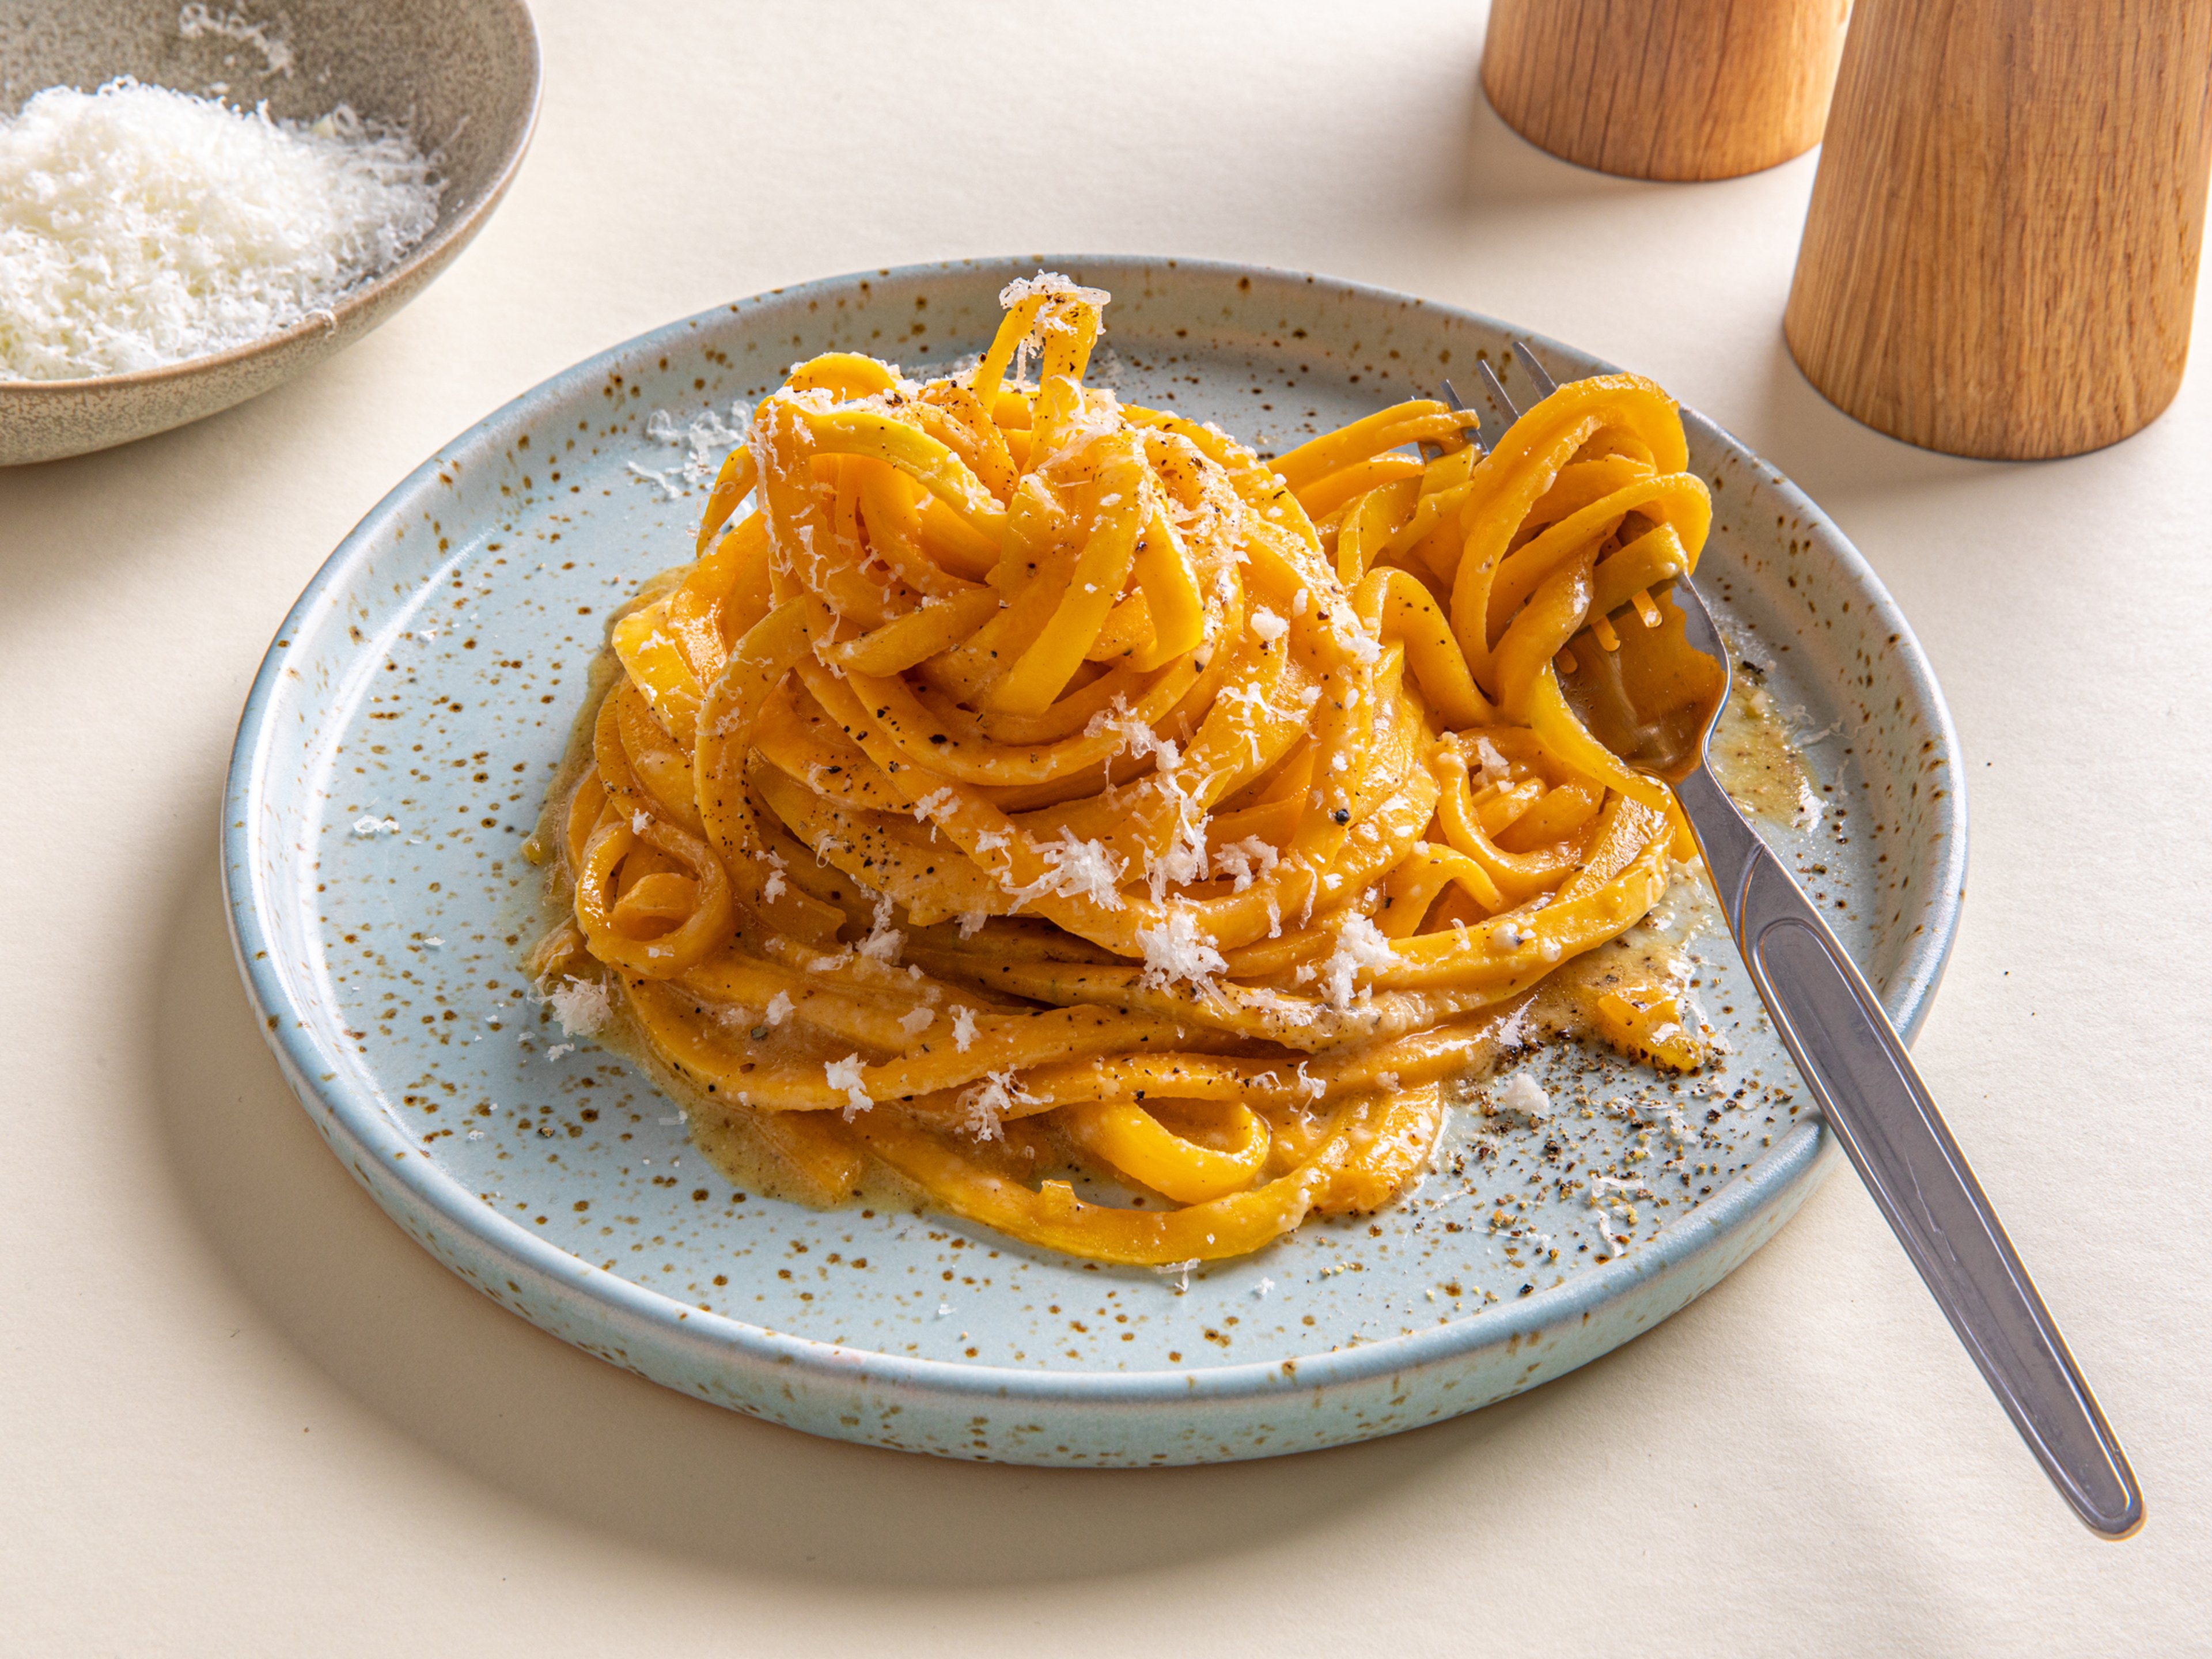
1849,1054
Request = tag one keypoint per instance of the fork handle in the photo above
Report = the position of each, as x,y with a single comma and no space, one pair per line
1872,1096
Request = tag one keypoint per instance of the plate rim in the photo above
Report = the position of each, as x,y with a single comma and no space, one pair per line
1805,1151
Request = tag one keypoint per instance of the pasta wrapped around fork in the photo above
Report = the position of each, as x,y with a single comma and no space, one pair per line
1019,778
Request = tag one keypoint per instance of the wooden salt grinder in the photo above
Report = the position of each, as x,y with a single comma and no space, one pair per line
1665,88
2001,255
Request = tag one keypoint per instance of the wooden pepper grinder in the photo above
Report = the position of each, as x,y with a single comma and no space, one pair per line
1665,88
2001,255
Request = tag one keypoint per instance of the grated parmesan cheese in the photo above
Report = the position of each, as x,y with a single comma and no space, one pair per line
985,1103
657,476
883,941
1494,769
1238,859
1524,1096
964,1029
1074,868
846,1074
705,438
1183,859
141,227
195,20
1050,283
582,1005
1359,944
1600,1190
1136,735
1176,950
1364,647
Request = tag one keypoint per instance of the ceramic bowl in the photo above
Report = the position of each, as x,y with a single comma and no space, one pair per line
462,75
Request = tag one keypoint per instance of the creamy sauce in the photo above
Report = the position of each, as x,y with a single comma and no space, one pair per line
731,1140
1654,955
725,1133
1752,757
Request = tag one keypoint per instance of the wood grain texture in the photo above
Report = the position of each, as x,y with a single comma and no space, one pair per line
1665,88
2001,255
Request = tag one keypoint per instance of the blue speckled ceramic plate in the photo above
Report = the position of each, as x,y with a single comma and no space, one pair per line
396,745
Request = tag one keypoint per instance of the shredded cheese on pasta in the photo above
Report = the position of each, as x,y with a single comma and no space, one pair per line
1068,782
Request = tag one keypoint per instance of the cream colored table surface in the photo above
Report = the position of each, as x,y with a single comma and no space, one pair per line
241,1413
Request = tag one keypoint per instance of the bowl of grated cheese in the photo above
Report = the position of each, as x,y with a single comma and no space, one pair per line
197,202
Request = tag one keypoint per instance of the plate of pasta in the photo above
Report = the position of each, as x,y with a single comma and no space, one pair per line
989,859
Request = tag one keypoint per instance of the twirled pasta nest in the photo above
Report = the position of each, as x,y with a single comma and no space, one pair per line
1032,779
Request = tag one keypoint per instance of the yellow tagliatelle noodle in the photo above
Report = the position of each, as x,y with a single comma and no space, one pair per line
1029,779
